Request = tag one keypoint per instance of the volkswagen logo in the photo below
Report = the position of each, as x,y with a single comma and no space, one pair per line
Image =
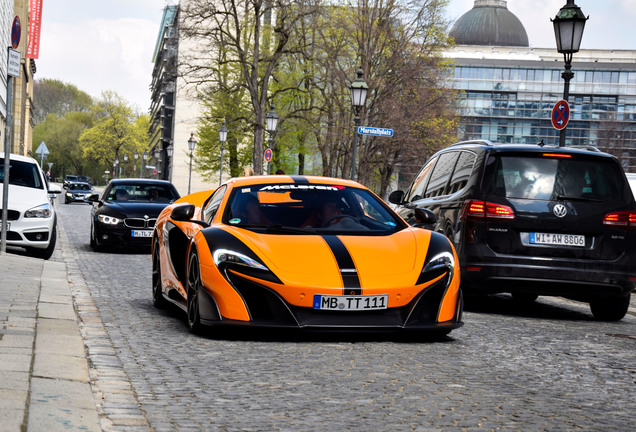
560,210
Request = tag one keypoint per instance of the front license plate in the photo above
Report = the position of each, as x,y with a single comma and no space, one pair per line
351,303
142,233
557,239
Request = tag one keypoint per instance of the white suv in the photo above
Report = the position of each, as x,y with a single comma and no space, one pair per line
31,220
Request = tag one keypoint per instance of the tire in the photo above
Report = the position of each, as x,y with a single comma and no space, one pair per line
193,287
93,242
524,298
610,308
48,252
157,296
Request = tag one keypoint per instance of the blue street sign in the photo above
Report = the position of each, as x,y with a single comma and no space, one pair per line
367,130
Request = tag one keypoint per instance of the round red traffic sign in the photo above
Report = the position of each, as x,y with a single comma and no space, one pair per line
560,114
16,31
268,155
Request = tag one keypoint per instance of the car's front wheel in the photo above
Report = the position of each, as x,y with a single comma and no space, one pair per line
194,285
610,308
157,297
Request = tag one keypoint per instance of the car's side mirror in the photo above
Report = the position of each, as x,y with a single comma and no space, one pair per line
182,213
424,218
54,189
396,197
185,213
93,198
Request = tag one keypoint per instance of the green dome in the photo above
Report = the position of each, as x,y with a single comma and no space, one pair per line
489,23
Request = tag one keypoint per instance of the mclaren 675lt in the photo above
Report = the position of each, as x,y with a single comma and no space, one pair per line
302,252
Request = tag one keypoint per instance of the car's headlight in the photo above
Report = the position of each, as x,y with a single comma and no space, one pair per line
43,211
68,194
225,256
108,219
443,261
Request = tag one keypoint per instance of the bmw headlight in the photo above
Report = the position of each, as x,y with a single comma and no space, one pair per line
105,219
225,256
68,194
43,211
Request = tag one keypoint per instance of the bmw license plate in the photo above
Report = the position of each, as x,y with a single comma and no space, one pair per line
557,239
141,233
351,303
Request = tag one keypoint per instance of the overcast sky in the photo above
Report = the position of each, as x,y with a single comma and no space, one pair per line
101,45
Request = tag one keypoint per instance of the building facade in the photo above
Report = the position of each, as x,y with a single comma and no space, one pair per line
174,111
508,89
22,86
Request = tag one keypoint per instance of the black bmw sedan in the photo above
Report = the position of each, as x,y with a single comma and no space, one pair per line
125,214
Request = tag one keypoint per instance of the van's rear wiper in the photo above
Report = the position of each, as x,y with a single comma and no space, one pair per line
571,198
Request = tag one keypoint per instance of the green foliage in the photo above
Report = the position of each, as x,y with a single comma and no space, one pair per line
56,97
116,131
61,137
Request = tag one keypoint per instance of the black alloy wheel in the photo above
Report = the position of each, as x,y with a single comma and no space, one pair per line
157,297
194,285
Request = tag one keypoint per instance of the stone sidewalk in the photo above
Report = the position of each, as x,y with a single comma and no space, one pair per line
44,377
49,330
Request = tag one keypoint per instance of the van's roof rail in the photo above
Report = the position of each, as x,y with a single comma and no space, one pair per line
586,147
482,142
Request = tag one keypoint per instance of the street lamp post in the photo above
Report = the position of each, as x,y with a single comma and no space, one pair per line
158,159
222,138
144,158
169,152
271,122
568,31
125,160
136,156
359,89
191,145
115,165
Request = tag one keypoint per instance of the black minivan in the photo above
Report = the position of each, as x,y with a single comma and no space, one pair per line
533,220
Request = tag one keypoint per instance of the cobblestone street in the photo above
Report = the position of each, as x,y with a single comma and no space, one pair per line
550,367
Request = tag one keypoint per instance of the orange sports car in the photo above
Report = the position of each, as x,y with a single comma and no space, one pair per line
304,252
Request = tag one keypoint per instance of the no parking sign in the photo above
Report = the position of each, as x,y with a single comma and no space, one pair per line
560,114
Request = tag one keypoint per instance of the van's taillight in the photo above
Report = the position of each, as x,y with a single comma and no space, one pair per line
622,218
476,208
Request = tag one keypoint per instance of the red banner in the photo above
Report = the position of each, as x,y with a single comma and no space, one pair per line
35,23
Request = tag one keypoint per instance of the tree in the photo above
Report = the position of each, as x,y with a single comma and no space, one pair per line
61,135
116,130
253,36
56,97
398,46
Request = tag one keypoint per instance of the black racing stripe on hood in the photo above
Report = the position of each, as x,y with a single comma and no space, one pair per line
220,239
298,179
348,270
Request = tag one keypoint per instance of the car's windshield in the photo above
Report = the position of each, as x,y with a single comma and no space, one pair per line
547,178
80,186
309,207
22,174
146,193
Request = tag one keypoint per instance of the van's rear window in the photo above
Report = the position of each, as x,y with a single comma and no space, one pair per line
546,178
